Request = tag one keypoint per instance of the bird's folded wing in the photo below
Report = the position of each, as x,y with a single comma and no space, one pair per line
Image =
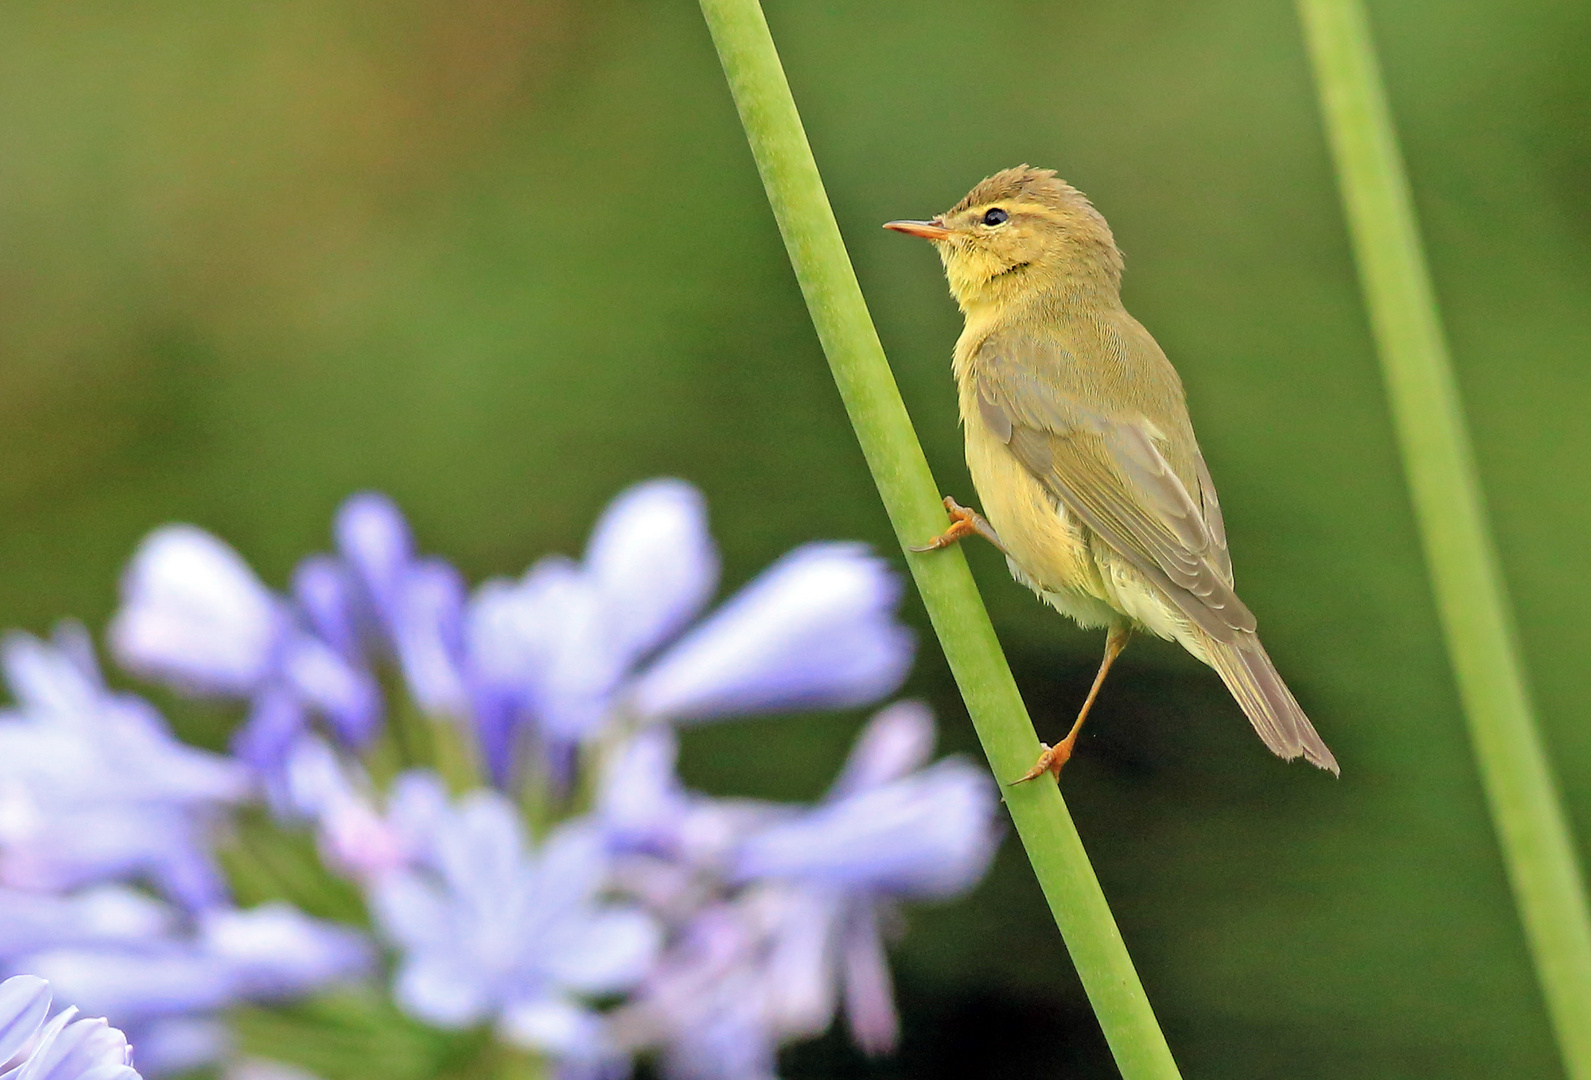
1111,475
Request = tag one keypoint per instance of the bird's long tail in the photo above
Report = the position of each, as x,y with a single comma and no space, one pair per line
1248,672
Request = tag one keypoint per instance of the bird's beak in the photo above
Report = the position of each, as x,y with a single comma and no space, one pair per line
928,230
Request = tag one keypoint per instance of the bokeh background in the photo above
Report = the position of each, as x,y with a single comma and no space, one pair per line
500,258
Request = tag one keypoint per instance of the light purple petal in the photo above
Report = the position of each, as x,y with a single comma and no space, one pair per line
149,763
653,562
572,865
545,641
275,722
816,630
75,1049
559,1027
580,662
503,658
275,950
58,677
134,985
411,912
605,953
482,850
326,596
504,630
729,1046
929,834
193,614
897,740
416,807
800,967
35,1065
374,539
446,994
109,914
110,1072
869,989
24,1003
315,777
77,845
428,635
485,924
76,748
178,1044
640,801
186,871
346,695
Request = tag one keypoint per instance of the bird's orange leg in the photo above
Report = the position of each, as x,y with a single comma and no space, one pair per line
963,523
1055,756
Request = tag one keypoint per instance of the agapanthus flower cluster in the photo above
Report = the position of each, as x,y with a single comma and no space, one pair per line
491,774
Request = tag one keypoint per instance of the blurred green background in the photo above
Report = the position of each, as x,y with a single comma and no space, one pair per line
501,258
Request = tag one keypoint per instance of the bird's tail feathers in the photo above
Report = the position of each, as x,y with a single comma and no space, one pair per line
1277,718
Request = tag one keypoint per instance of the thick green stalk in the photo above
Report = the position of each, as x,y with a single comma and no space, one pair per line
912,499
1465,576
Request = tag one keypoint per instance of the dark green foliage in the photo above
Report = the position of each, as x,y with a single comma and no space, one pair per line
359,1036
265,862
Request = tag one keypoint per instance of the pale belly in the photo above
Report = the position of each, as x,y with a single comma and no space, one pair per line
1053,554
1047,550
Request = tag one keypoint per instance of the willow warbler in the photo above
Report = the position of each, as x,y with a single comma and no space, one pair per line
1081,449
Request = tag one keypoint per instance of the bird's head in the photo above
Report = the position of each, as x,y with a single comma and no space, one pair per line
1021,232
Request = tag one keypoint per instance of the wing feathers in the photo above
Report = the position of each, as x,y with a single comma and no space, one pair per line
1116,480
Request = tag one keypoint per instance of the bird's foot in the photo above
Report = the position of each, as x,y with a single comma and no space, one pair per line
963,523
1049,762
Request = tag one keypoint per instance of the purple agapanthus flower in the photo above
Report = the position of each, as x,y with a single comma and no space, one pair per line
742,977
195,616
65,1048
103,915
729,926
888,826
888,831
644,810
781,911
94,787
558,643
489,930
550,659
361,834
572,645
168,988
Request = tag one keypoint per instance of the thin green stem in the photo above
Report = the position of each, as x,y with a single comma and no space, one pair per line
911,497
1465,574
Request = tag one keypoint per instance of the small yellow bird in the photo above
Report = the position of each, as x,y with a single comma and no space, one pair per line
1080,446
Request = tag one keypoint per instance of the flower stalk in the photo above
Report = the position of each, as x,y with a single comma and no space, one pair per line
1466,577
912,499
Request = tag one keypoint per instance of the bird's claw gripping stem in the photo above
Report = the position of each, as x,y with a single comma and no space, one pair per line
963,523
1050,761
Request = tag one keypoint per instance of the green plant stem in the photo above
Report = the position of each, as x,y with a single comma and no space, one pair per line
912,500
1465,575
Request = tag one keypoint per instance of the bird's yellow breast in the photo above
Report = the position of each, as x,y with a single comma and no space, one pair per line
1047,548
1038,534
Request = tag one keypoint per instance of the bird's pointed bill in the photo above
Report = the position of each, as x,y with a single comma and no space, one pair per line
928,230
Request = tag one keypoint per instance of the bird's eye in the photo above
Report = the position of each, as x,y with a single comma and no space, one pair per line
996,217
